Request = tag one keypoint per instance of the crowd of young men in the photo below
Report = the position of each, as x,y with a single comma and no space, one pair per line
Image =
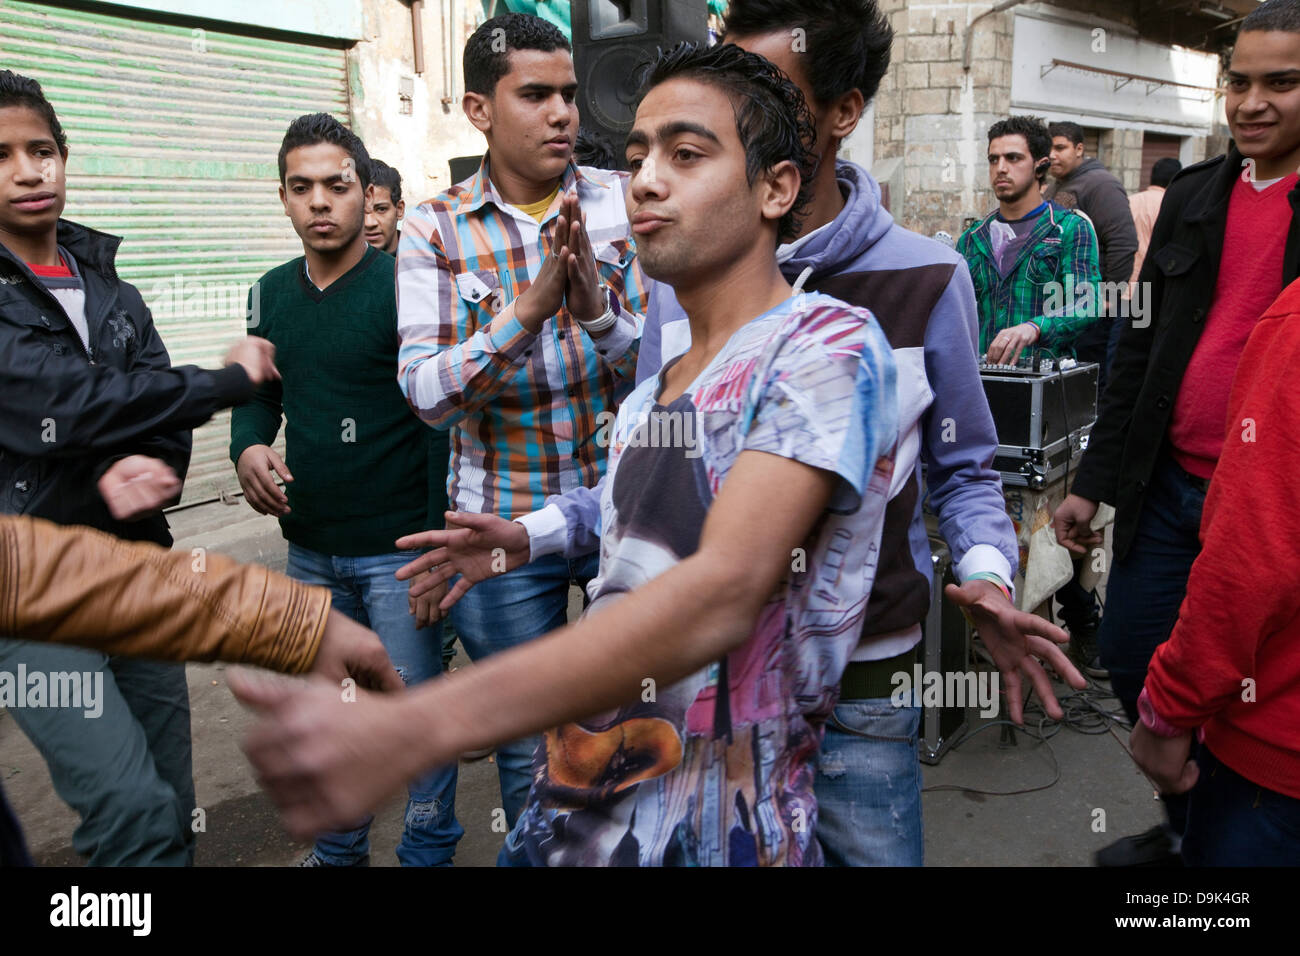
725,697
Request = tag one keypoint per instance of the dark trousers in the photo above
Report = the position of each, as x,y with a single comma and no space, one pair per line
1146,588
1234,822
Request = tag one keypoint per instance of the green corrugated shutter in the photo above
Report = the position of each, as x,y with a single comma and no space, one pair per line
173,134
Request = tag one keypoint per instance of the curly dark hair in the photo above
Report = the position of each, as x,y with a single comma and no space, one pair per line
487,52
772,119
847,42
1034,130
322,128
19,90
386,177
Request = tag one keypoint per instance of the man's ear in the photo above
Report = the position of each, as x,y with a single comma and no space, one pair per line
846,113
401,209
780,190
478,110
284,198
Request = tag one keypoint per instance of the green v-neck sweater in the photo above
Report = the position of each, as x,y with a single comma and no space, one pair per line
366,470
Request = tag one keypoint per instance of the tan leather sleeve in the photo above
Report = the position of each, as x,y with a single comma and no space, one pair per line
73,585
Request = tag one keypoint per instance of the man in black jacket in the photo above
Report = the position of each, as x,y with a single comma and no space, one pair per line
1226,243
94,431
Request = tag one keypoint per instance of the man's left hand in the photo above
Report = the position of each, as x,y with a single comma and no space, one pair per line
424,607
1164,759
1015,639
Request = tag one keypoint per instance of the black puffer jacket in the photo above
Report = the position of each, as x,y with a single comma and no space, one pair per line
66,415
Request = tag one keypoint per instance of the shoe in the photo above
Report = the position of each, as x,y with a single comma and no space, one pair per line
1158,846
470,756
313,859
1094,669
1083,645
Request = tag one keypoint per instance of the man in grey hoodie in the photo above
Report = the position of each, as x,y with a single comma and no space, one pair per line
869,785
1082,182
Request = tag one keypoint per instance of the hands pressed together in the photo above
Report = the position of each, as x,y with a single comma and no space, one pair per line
568,275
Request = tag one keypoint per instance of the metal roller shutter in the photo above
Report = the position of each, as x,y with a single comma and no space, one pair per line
173,133
1157,146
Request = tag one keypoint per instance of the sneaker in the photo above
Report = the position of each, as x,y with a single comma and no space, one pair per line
314,859
1094,669
1158,846
1083,646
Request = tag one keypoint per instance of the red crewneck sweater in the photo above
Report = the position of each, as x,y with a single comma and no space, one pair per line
1240,620
1250,278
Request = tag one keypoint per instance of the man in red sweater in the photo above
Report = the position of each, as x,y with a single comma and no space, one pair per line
1226,242
1232,665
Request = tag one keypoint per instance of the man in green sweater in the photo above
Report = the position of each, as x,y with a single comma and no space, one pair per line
361,470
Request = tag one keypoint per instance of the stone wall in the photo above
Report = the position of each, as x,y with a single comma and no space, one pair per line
932,115
401,114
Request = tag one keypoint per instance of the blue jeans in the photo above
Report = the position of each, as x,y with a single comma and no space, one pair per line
869,786
1146,588
504,612
128,771
365,590
1233,822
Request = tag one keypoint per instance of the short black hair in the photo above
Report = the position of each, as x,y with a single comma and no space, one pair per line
1034,130
384,176
592,149
19,90
1071,131
487,51
847,42
772,118
1280,15
323,128
1164,170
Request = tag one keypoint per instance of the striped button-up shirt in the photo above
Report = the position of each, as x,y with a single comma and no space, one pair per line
527,412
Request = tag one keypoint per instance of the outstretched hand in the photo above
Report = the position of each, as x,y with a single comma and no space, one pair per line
1016,639
476,547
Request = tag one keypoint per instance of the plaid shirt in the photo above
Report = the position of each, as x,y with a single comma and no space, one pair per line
1054,283
525,410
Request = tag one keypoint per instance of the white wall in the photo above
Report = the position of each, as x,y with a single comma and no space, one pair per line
1075,94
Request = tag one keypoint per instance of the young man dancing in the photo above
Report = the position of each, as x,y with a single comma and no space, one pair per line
742,516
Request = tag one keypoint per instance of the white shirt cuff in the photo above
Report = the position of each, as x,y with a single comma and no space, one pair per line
985,557
548,532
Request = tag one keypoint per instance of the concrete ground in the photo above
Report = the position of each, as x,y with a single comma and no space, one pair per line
1098,795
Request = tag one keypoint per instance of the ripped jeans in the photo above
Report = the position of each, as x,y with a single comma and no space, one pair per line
365,590
869,785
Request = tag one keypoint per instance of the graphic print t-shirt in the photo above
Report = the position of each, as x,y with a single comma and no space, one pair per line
718,768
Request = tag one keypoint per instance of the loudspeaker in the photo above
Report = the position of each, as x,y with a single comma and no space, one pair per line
614,42
463,167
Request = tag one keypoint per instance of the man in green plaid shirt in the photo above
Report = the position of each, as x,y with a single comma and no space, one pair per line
1034,263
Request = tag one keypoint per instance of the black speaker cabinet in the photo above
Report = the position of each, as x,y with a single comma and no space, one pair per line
614,41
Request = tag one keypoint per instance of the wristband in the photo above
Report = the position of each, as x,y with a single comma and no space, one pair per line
993,578
606,319
1153,721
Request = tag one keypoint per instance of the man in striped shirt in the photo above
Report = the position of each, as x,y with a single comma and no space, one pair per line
520,314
